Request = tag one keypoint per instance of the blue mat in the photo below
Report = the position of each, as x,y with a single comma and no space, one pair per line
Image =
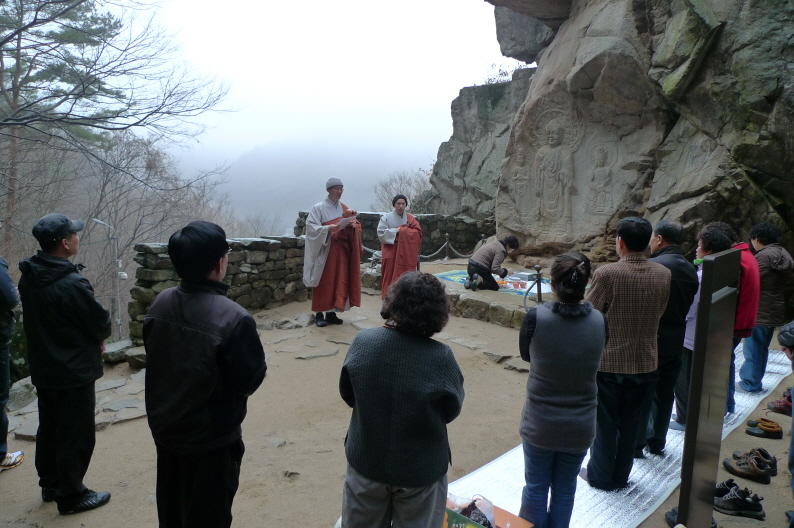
459,276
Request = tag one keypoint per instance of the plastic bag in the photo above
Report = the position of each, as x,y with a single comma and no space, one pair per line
478,509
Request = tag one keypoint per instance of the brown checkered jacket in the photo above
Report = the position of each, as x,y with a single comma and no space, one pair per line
633,294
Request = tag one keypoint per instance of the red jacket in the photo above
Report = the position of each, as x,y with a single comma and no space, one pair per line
749,293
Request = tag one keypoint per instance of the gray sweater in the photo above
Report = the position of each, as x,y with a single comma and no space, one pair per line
404,390
565,352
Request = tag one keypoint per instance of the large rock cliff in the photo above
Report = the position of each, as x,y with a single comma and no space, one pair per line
466,173
660,108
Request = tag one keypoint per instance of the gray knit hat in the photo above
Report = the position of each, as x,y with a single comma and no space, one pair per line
333,182
786,335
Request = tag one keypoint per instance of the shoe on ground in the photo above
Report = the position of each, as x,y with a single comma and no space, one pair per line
742,503
766,430
789,513
761,453
782,406
676,426
755,422
656,451
724,487
638,453
319,320
89,500
48,494
467,283
744,386
12,460
475,282
332,318
671,518
752,468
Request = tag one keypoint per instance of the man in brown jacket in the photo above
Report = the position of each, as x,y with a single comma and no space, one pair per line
774,263
633,294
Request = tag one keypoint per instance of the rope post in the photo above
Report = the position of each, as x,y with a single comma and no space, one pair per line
446,246
540,275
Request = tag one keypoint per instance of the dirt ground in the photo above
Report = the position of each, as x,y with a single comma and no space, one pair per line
293,468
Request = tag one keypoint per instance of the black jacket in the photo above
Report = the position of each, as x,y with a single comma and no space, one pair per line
9,298
203,359
64,323
683,287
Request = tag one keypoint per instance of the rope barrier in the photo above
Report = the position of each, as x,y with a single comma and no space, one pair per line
446,245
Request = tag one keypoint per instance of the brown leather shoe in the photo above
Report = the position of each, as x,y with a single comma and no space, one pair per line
761,453
750,467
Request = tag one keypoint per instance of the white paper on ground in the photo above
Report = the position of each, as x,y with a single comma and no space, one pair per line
652,479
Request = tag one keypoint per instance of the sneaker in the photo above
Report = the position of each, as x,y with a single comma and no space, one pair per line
332,318
12,460
724,487
676,426
467,282
475,281
319,320
48,494
763,454
766,430
754,423
89,500
740,502
671,518
750,467
782,406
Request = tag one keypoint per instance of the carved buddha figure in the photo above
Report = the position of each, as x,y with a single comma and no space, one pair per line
554,173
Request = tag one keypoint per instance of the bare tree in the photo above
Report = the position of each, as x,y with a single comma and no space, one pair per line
412,184
73,70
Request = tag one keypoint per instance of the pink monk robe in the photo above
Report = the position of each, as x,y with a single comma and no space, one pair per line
400,247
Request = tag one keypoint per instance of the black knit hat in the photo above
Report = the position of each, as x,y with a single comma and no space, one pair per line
394,200
786,335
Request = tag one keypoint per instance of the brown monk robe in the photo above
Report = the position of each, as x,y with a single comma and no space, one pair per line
340,285
402,255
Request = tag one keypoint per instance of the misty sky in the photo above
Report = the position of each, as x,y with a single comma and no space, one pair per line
349,88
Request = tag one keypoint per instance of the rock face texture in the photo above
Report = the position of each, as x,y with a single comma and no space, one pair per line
466,174
521,37
657,108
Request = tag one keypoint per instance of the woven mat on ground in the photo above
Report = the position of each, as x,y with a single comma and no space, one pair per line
652,479
460,276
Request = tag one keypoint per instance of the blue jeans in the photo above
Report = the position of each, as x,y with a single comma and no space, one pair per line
730,400
545,469
756,351
4,389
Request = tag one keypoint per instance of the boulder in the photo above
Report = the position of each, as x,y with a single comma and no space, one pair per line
116,352
520,37
136,357
21,394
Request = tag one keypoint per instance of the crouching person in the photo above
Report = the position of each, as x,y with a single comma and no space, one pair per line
404,388
203,359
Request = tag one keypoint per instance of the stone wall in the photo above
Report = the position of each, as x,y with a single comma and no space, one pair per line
262,273
464,232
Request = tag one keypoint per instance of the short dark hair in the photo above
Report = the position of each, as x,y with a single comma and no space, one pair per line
671,231
416,303
510,242
714,239
196,249
635,232
765,233
569,274
49,245
727,229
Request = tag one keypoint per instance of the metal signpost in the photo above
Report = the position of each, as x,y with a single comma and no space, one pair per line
710,362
